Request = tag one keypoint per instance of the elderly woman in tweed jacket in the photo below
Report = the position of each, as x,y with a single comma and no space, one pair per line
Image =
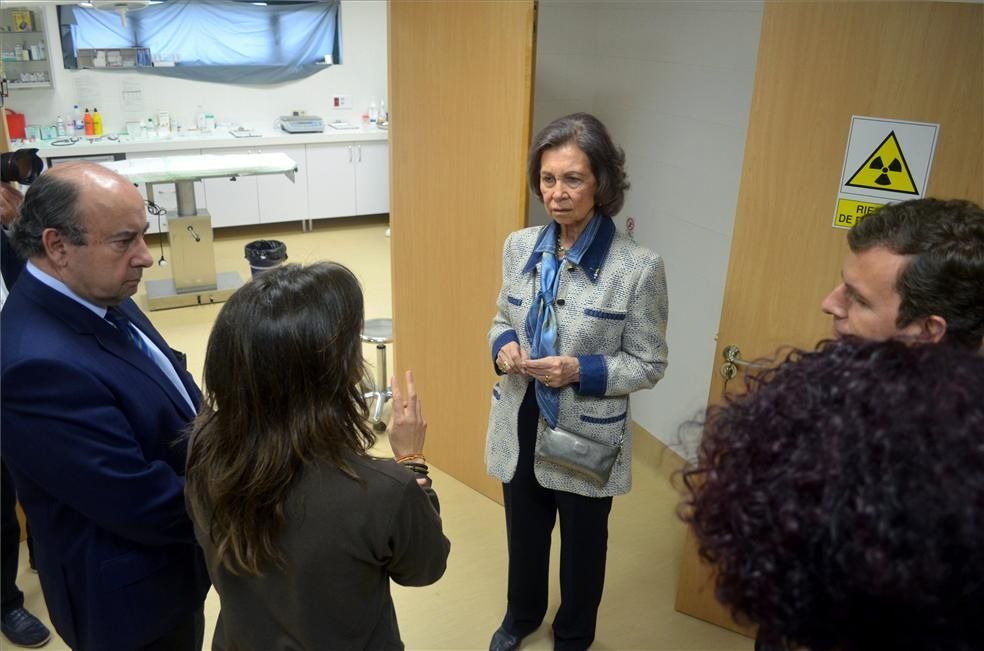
581,324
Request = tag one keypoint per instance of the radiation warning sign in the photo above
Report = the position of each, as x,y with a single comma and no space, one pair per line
886,161
885,169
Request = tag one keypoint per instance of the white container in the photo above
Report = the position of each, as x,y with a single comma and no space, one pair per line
373,112
60,127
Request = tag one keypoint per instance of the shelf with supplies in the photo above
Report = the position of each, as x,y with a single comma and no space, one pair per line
24,55
114,58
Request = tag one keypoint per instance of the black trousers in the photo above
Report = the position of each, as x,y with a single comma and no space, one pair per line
12,597
187,636
531,511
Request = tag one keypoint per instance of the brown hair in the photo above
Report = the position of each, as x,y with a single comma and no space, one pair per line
590,136
282,387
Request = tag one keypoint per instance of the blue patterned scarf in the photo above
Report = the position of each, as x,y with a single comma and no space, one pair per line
541,330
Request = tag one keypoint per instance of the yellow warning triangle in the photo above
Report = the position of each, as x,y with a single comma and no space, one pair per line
885,169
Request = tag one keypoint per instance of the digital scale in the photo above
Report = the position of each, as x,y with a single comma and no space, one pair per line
302,124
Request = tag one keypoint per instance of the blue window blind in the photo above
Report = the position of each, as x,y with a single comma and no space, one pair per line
218,40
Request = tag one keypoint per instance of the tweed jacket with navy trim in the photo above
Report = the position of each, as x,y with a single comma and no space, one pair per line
612,311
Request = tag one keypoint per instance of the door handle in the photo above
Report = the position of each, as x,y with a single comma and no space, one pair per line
350,153
732,360
360,153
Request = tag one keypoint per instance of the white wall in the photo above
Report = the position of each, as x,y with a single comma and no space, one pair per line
673,83
362,75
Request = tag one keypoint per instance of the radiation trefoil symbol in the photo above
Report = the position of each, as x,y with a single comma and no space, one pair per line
893,176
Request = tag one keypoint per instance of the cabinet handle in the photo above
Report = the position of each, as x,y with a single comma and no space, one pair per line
360,153
350,153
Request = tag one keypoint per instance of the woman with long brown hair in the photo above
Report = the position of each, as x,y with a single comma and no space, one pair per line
302,529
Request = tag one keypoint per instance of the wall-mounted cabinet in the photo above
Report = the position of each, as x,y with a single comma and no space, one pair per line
24,53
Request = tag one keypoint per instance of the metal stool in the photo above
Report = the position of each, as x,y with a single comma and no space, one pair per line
379,332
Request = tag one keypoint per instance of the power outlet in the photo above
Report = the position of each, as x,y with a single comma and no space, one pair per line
341,102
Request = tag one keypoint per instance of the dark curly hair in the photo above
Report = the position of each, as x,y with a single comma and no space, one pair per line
841,499
944,276
606,158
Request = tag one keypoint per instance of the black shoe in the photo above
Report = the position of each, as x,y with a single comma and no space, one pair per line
24,629
502,640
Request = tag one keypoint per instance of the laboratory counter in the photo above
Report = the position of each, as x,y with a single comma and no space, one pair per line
109,145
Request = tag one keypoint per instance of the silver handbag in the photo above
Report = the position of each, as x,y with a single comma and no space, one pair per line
592,460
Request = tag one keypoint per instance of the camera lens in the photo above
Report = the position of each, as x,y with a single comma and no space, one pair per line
21,166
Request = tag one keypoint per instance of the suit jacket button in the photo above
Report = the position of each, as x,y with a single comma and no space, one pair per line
560,302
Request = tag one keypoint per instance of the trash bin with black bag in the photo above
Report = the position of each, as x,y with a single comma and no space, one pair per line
264,255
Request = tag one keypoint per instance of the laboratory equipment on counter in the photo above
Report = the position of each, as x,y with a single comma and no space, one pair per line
302,124
195,281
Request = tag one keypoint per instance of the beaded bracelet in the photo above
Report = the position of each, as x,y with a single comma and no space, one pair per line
419,468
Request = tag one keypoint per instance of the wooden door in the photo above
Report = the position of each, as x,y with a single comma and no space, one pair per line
819,63
460,88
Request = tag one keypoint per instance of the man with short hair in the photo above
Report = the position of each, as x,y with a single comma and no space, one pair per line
916,273
94,406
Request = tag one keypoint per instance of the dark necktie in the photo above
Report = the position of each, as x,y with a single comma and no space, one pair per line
115,316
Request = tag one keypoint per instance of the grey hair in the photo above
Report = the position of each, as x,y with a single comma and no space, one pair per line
590,135
50,202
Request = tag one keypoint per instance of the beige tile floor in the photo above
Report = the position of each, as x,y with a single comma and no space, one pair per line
463,608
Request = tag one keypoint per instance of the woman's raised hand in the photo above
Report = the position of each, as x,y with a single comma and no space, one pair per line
407,425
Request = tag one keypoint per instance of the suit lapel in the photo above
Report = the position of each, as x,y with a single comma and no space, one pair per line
85,322
136,315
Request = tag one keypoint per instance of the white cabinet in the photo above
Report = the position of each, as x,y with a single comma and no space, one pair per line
372,178
264,199
280,199
348,179
232,201
165,194
331,192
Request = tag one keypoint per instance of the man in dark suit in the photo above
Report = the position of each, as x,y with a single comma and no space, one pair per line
16,622
94,406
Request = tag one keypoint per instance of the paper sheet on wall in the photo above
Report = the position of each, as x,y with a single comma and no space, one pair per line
87,92
133,99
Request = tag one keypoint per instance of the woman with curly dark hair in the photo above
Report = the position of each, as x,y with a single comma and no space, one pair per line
841,499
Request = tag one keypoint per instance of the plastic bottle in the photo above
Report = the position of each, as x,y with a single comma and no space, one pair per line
373,112
151,130
60,127
97,122
87,123
383,115
79,125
